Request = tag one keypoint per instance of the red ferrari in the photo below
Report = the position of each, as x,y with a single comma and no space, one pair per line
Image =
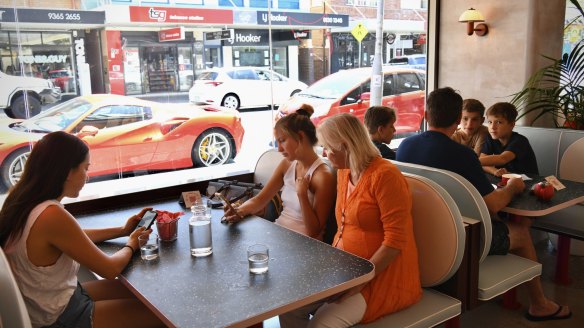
126,134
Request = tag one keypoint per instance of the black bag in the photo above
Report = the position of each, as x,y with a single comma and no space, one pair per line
236,191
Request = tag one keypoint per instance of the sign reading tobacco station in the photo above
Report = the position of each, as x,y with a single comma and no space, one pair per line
7,15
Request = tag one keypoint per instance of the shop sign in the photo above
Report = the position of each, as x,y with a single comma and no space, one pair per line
302,19
43,59
171,34
219,35
52,16
180,15
248,17
115,62
248,38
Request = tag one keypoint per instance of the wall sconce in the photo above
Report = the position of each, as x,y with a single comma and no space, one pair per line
470,17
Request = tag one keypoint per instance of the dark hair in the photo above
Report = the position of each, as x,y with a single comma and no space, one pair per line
293,123
443,107
377,116
507,110
473,106
43,178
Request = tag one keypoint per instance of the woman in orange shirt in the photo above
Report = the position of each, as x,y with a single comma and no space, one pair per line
373,212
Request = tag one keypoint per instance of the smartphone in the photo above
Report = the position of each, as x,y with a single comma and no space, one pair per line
147,220
227,203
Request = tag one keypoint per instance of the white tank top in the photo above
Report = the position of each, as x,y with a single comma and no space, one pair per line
46,290
291,216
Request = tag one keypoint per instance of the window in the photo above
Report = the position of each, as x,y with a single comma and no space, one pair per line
407,82
362,3
245,74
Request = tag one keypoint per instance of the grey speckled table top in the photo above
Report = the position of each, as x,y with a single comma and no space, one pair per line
218,290
527,204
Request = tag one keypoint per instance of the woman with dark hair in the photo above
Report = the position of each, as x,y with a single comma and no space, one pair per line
306,182
45,245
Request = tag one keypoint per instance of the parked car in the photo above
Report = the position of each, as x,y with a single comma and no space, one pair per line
348,91
38,91
63,79
411,61
240,87
125,134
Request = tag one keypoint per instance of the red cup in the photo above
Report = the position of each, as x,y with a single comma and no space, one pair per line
505,177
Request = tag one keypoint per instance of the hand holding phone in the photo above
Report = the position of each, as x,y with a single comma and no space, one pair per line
229,208
147,219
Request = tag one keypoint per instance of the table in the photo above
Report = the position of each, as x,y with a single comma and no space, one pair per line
526,204
218,290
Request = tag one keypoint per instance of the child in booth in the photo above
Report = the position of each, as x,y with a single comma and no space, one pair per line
471,132
506,151
379,121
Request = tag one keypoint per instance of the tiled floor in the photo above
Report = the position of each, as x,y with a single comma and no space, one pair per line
492,314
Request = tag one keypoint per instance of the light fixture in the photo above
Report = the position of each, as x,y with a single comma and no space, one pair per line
470,17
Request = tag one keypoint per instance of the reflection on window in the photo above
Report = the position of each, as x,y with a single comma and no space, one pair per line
362,3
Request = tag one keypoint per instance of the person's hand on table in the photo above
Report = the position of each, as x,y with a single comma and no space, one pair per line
516,184
233,214
133,221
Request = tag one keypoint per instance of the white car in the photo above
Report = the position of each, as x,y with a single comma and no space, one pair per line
240,87
38,92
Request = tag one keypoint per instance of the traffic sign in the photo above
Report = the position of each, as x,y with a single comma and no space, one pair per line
359,32
219,35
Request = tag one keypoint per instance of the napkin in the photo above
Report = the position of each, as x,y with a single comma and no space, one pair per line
167,217
166,223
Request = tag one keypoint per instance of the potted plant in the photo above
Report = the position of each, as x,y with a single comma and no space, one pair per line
557,89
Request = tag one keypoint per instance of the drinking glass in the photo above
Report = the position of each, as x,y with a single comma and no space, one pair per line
258,256
148,246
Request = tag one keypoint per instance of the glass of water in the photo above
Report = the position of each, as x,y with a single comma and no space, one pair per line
148,246
258,256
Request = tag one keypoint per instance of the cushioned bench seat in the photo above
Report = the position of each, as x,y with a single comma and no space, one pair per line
434,307
500,273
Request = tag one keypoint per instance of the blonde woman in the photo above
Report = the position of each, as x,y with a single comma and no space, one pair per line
373,212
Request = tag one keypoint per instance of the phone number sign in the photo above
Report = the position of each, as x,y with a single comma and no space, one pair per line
7,15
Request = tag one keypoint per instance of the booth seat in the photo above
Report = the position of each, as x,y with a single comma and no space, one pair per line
13,311
440,239
496,274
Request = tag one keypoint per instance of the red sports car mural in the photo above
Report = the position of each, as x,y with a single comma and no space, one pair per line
126,134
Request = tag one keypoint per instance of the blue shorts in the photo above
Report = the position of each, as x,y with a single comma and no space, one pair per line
78,313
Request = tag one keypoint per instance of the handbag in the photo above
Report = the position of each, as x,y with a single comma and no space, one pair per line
239,192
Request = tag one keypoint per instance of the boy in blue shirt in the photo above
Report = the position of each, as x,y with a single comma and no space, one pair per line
506,151
379,121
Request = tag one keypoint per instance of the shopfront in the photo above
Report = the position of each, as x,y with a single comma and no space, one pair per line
154,66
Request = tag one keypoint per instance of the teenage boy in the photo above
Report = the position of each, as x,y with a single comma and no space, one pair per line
504,150
471,132
435,148
379,121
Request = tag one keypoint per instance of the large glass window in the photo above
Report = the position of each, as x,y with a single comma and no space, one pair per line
168,97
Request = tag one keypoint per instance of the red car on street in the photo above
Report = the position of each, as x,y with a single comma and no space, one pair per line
349,91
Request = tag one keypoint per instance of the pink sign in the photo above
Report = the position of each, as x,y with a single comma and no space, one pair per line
171,34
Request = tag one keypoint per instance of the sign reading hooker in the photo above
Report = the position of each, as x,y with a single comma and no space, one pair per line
219,35
302,19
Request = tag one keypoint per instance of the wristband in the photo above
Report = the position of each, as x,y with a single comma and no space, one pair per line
130,247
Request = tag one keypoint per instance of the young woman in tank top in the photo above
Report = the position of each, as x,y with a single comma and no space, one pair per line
45,245
307,183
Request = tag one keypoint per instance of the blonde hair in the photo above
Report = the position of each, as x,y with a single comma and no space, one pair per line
346,130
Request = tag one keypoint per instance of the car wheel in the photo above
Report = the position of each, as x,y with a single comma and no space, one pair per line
213,147
18,108
230,101
14,166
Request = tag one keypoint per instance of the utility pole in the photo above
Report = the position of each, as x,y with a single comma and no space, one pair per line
376,72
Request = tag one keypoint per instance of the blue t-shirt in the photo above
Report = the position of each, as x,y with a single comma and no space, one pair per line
435,149
524,161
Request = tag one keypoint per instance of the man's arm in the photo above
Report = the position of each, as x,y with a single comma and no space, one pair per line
499,198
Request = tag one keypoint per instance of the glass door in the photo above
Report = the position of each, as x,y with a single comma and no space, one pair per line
132,74
185,68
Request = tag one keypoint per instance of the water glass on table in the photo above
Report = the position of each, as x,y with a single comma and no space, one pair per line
200,235
258,256
148,246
